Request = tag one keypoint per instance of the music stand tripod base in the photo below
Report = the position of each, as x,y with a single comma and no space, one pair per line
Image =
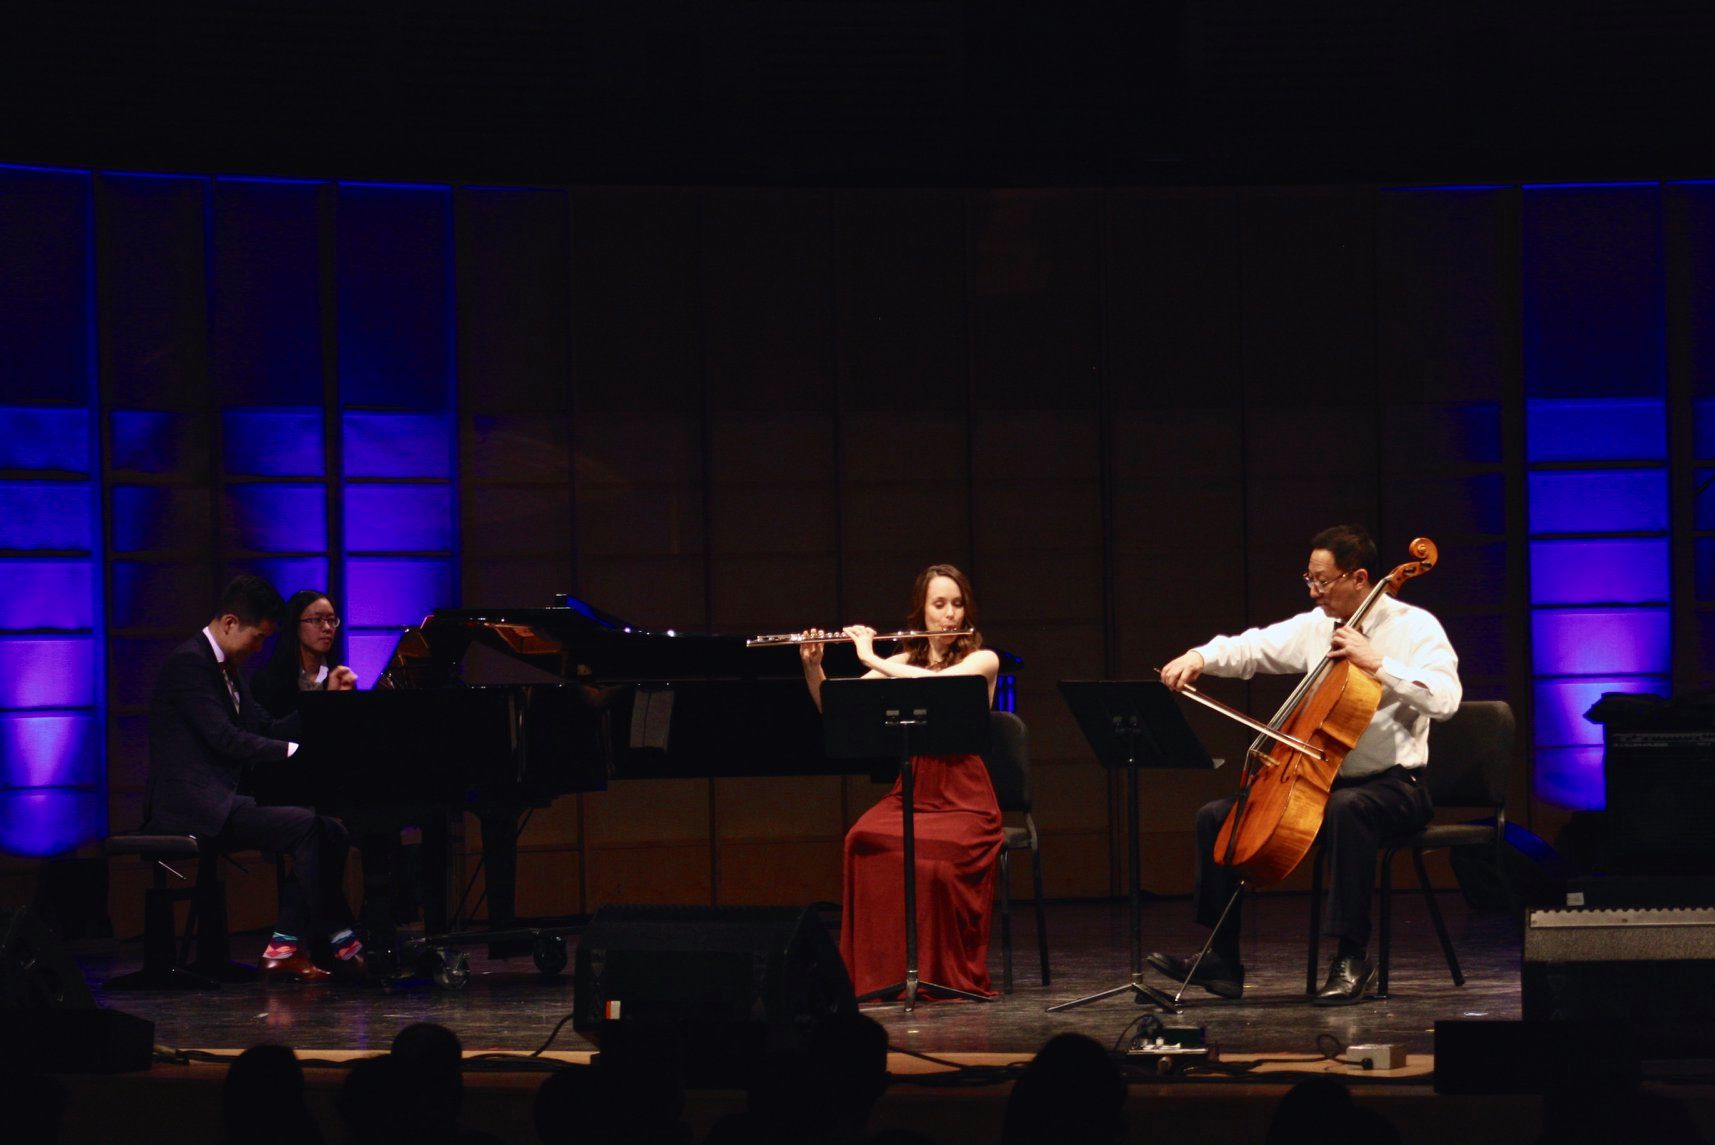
1132,723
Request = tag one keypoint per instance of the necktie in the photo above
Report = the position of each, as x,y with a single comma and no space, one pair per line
231,677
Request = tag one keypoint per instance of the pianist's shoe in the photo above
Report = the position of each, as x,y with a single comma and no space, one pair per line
290,964
347,963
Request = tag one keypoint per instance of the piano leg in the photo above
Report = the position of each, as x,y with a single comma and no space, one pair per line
381,856
500,874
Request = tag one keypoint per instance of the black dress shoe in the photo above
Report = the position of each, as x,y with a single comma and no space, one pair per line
295,967
1349,979
353,969
1215,974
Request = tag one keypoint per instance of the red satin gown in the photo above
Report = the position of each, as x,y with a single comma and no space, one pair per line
958,836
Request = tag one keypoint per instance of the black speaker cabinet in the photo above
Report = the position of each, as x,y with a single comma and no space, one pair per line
731,983
48,1018
1646,974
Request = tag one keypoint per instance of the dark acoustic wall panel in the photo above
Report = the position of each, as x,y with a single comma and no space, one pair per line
514,298
44,294
266,338
1033,300
637,279
1171,290
153,304
515,304
767,299
900,306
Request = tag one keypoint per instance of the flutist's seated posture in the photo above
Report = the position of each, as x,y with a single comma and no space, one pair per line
1377,793
957,821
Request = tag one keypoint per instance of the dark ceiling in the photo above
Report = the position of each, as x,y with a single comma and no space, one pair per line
1002,92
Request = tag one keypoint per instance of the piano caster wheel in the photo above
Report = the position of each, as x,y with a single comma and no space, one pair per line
549,954
452,969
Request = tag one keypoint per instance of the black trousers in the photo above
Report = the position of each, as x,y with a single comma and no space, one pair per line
313,904
1361,813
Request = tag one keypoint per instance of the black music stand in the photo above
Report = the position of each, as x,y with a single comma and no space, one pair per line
946,715
1133,724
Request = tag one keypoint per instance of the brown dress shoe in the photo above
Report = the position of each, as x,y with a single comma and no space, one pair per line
295,967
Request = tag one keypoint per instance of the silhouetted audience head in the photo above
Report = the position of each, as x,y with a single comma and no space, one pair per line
1070,1094
630,1097
1307,1111
431,1062
1322,1111
369,1105
262,1100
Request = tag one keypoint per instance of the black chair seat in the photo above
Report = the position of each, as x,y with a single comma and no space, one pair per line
166,846
1015,838
1447,835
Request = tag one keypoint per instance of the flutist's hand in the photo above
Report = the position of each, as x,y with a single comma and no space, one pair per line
1183,670
863,639
811,654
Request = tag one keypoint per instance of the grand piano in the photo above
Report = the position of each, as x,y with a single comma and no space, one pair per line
498,710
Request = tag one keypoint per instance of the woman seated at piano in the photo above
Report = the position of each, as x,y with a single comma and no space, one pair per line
303,658
957,823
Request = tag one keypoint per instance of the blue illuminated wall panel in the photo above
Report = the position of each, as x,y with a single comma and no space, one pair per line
397,431
1597,479
52,753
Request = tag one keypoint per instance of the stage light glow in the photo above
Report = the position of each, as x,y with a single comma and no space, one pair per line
48,671
1596,429
1598,501
1560,705
52,594
149,441
55,749
279,518
1597,641
285,442
44,437
39,822
395,591
46,515
398,518
398,445
1601,571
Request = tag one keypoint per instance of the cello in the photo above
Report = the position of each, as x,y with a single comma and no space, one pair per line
1290,766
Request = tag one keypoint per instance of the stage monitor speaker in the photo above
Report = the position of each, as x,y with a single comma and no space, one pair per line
35,970
1650,972
48,1018
731,983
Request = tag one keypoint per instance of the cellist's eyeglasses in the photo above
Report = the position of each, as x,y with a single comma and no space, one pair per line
1321,586
321,621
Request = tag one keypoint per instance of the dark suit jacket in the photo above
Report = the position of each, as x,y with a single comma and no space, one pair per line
199,747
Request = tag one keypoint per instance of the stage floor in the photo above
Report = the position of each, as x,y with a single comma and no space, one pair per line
507,1006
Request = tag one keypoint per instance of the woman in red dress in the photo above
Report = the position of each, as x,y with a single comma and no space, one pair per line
957,823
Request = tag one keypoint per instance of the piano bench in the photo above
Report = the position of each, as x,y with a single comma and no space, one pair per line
162,969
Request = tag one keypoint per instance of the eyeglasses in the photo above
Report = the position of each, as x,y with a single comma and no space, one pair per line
1321,586
321,621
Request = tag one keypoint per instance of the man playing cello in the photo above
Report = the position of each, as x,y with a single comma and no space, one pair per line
1377,793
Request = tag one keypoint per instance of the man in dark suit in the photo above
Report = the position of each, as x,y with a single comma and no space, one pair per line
205,732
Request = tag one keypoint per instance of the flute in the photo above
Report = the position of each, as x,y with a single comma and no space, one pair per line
786,639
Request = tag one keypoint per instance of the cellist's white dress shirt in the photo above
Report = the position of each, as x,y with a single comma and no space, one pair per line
1419,675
